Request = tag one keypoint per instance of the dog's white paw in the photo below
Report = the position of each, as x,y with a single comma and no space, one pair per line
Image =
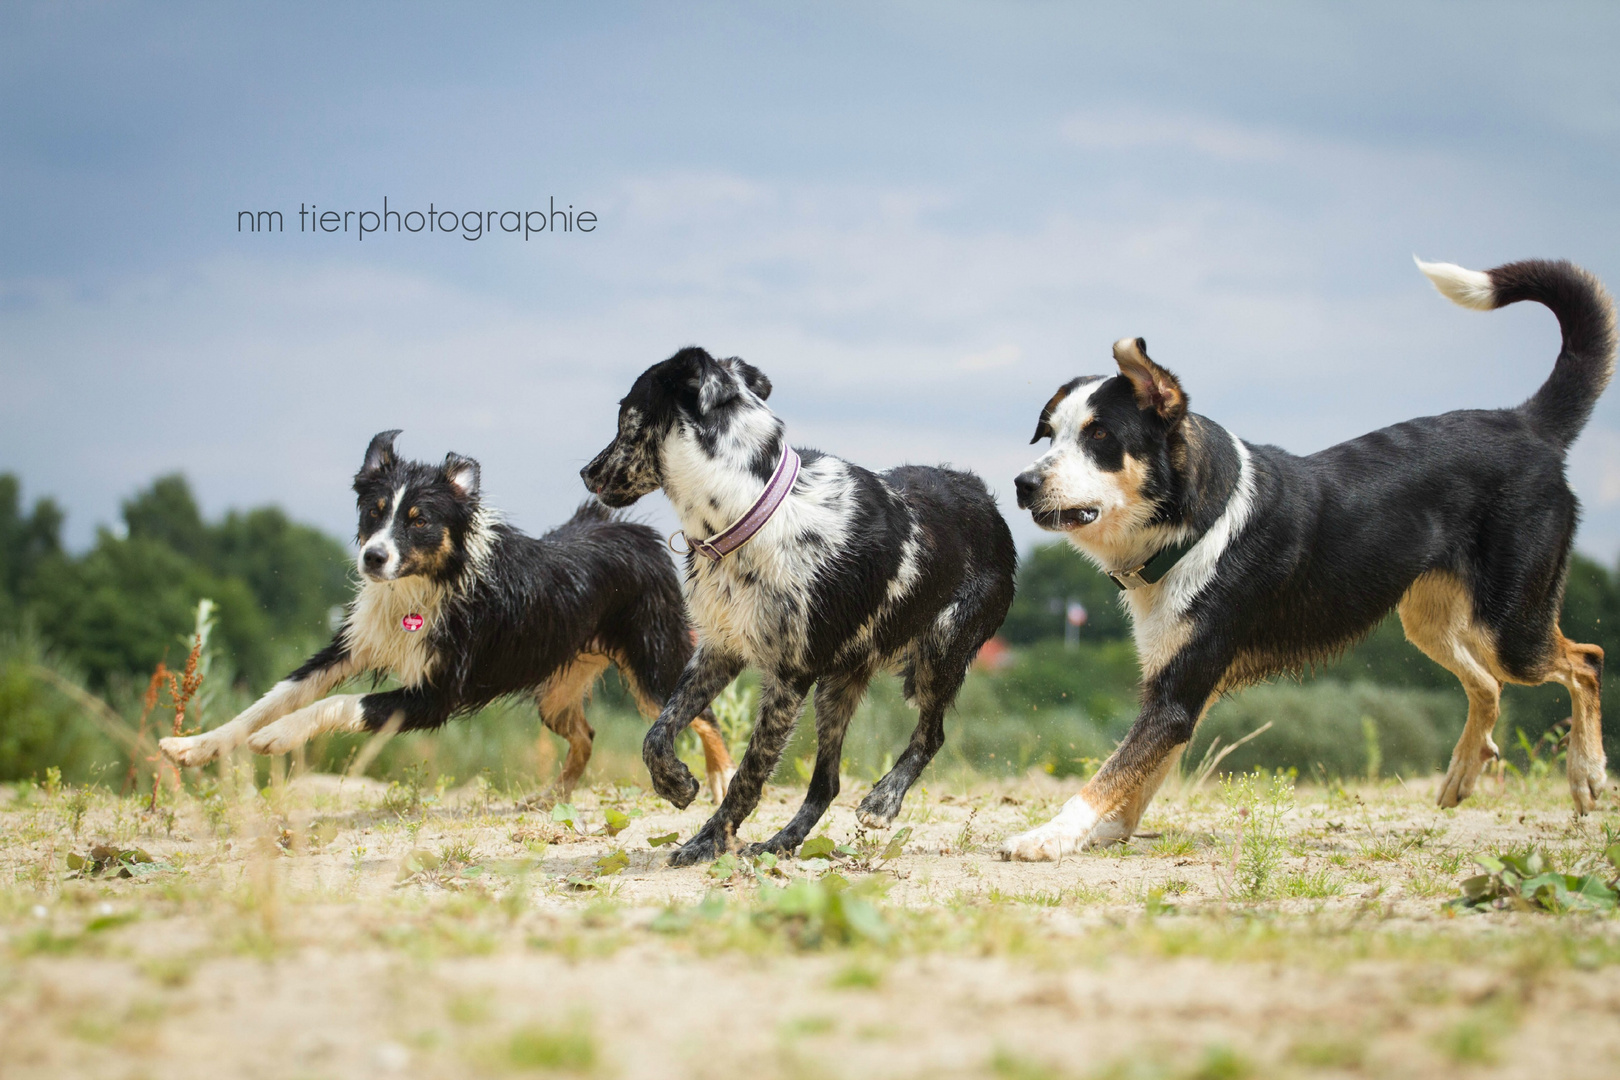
872,820
190,750
1063,835
1048,843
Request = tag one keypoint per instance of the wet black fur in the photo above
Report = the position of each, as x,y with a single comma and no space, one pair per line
529,607
967,558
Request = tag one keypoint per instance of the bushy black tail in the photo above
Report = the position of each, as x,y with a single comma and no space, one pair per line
1560,409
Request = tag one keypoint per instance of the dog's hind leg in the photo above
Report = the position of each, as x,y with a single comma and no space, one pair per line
781,700
836,699
1580,669
934,682
717,764
1437,614
562,709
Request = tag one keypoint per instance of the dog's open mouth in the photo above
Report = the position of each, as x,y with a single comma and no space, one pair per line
1071,518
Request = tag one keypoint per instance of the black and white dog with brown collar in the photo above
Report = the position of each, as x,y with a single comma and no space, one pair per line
1239,562
812,569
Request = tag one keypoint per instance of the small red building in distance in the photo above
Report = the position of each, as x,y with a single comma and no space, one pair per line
994,655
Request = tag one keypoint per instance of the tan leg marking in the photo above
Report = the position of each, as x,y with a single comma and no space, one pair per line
562,709
1437,614
1579,669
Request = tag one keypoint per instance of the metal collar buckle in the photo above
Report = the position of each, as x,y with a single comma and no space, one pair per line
1130,579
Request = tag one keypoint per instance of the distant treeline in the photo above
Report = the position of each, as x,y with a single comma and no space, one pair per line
116,610
106,617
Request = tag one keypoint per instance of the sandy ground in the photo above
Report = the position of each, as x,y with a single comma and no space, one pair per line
292,933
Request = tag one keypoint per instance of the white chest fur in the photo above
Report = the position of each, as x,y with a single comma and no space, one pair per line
376,633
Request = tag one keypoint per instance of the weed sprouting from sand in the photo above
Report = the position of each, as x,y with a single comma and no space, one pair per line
1256,806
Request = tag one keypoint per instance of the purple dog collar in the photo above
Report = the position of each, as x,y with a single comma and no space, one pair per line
743,529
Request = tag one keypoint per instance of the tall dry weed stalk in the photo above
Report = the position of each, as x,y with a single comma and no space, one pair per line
160,678
181,691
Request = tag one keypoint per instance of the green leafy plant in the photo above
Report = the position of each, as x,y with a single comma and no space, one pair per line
1523,883
105,860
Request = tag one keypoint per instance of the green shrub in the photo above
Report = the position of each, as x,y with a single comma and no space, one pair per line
1318,727
39,727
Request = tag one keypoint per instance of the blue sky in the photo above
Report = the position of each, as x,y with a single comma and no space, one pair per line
917,219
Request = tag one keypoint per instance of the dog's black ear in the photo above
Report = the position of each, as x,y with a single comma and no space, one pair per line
1043,426
380,454
1157,390
462,474
752,377
713,381
709,380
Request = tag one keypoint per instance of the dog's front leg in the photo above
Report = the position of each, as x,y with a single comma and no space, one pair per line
779,707
1111,804
323,671
407,709
705,675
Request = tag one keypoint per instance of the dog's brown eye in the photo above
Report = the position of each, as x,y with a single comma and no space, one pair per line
418,523
1099,433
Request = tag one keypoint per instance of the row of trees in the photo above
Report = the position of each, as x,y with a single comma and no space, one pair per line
114,611
107,616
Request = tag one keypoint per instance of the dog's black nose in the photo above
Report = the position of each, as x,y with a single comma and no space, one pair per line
1027,484
375,558
585,475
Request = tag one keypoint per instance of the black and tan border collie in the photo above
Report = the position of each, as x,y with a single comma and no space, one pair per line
1239,562
463,609
852,573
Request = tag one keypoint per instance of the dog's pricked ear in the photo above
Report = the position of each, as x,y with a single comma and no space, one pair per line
462,475
380,454
1156,389
1043,427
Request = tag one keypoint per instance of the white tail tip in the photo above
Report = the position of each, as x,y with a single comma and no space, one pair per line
1470,288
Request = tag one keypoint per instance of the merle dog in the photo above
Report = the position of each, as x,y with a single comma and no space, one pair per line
1239,562
840,573
463,609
